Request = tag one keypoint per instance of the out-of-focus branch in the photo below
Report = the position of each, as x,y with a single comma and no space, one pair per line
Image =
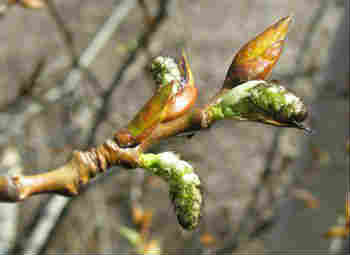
45,223
146,12
63,30
10,161
87,57
74,76
28,85
67,37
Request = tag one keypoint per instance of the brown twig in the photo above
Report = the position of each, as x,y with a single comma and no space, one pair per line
69,179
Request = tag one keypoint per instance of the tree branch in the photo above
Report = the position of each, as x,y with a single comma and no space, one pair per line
169,112
254,100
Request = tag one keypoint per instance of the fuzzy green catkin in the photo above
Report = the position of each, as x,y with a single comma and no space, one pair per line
279,102
262,101
165,70
184,185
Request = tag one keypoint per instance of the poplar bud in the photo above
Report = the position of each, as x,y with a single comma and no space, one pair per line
167,70
175,95
255,60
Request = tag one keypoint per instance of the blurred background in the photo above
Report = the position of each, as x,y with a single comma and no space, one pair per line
73,72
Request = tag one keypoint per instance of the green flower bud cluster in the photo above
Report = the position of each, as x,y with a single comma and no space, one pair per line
165,70
262,101
277,101
184,185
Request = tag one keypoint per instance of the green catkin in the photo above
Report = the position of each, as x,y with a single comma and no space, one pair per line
277,101
184,185
260,101
165,70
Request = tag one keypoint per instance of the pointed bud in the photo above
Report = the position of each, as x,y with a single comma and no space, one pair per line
151,114
175,95
255,60
166,69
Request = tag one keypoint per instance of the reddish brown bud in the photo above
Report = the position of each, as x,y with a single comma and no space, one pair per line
151,114
175,96
255,60
186,97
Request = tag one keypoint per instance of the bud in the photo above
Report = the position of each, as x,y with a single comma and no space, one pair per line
255,60
166,70
151,114
175,95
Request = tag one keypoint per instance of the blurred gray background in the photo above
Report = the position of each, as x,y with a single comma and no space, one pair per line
304,194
